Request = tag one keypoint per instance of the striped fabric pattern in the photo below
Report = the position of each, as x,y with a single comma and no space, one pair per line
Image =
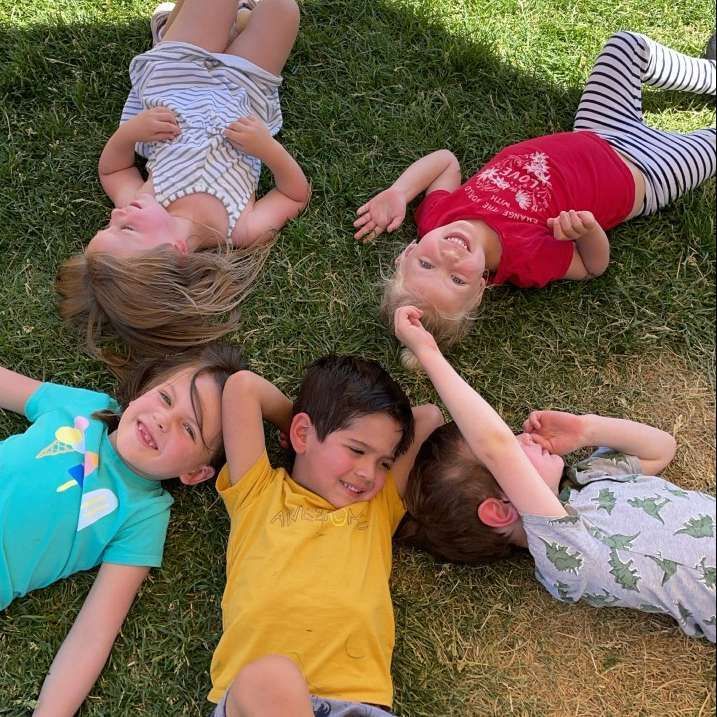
207,92
611,106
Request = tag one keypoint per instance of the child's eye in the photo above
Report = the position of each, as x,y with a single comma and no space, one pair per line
387,466
357,451
165,397
458,280
189,430
424,264
129,227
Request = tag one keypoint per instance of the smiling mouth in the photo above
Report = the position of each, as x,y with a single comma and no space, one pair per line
145,436
459,241
352,488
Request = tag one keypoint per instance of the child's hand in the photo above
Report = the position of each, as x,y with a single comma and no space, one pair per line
569,226
409,330
385,212
557,431
155,125
249,135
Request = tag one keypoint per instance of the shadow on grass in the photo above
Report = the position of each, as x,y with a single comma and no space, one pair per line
368,89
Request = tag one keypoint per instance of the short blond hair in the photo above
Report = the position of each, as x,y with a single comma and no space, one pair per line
447,329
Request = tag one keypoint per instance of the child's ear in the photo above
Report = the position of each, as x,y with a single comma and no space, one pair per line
197,476
405,252
497,513
299,431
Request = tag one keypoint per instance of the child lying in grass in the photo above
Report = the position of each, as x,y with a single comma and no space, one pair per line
539,209
617,535
183,247
307,614
82,487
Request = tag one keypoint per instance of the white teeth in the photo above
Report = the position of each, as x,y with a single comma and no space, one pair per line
147,437
460,242
350,487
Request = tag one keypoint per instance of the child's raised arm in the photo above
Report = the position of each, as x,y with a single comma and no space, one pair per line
563,433
247,400
427,418
87,646
15,389
286,199
387,210
119,177
490,439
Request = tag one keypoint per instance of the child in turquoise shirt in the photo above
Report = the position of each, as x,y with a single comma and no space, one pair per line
81,487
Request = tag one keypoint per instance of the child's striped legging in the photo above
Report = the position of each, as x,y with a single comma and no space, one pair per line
611,106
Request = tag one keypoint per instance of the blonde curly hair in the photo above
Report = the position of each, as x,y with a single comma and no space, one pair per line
447,329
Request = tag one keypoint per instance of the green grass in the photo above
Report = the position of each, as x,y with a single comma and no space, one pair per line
369,88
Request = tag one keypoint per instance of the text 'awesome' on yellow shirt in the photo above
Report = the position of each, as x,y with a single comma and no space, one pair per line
308,581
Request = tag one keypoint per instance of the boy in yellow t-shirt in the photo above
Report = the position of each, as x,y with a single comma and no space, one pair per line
307,613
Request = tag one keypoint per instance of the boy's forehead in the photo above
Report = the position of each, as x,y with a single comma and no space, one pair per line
377,430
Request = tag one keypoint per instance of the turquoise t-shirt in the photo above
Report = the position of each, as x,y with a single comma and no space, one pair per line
67,500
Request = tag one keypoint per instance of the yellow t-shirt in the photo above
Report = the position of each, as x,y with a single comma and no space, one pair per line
308,581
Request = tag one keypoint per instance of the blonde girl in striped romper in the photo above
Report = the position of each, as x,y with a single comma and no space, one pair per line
183,247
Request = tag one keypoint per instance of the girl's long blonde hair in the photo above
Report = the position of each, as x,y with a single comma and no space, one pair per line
156,302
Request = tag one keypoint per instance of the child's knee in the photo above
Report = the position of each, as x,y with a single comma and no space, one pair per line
622,38
268,674
288,8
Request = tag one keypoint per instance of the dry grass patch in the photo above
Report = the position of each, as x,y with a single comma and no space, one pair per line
493,639
665,391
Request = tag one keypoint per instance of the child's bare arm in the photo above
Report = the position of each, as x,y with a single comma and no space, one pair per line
563,433
119,177
292,190
247,400
427,418
15,389
490,439
592,246
87,646
387,210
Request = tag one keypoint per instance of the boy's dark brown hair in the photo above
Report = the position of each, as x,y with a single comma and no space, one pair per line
336,390
219,360
445,488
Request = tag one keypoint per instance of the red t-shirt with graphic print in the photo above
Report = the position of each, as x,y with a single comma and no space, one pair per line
524,185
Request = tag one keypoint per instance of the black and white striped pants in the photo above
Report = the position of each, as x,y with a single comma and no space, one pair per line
611,106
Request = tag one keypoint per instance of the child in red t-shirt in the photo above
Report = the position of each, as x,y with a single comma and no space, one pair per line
538,211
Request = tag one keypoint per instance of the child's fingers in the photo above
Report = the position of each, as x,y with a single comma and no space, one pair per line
367,232
532,422
587,218
566,225
363,208
366,217
395,224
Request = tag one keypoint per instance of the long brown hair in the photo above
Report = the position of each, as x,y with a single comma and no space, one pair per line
158,301
446,485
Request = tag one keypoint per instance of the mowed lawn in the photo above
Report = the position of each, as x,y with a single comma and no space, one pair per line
370,87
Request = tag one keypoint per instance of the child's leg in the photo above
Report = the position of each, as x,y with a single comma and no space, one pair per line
611,106
192,21
269,687
269,35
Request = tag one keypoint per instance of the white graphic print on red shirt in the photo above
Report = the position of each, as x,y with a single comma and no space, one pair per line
524,176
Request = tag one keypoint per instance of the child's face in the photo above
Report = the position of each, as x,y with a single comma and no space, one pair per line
446,267
158,434
549,466
142,225
350,465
